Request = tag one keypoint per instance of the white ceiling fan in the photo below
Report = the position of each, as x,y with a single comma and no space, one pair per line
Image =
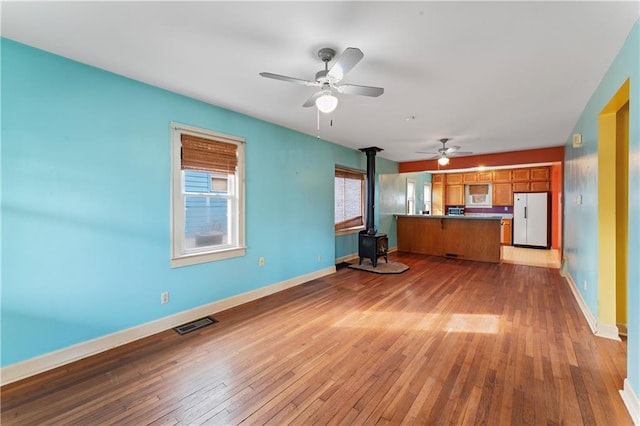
327,80
443,154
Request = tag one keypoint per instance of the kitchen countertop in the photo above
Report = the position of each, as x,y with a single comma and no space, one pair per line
502,215
466,217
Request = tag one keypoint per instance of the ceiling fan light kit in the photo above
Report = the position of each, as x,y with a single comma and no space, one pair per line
327,102
443,161
327,80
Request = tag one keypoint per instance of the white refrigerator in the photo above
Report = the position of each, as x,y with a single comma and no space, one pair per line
531,219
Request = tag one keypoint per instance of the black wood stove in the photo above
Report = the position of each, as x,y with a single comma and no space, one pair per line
371,244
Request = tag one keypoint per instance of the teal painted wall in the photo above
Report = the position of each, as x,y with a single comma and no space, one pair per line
85,203
392,201
581,178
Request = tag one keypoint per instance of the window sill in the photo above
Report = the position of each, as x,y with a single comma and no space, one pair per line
194,259
349,231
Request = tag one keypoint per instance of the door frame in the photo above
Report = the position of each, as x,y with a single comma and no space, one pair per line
608,144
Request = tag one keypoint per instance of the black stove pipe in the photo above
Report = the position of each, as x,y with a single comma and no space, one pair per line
371,187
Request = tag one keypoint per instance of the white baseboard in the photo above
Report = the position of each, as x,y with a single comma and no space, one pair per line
591,320
607,331
631,401
42,363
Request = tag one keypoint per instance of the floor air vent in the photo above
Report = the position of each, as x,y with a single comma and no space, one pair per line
195,325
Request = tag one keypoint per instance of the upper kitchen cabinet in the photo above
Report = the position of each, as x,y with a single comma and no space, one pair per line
521,175
437,178
502,175
453,179
537,186
502,194
521,187
485,177
540,173
454,195
470,177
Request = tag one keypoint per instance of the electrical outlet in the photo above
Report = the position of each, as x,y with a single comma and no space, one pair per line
506,209
579,199
319,258
164,297
261,261
584,285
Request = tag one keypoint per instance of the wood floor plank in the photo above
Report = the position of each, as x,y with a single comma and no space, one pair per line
447,342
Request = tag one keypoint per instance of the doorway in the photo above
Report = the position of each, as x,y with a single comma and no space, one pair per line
613,195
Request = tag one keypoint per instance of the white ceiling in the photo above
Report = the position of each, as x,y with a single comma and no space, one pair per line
493,76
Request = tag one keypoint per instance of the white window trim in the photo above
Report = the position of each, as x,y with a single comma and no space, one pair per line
426,194
410,198
178,258
349,231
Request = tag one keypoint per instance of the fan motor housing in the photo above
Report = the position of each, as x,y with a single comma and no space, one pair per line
321,76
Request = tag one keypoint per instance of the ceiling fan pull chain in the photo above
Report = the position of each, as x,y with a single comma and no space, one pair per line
318,121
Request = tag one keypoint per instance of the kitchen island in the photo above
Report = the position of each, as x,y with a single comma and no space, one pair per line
461,237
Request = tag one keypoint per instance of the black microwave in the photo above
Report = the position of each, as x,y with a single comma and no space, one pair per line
455,211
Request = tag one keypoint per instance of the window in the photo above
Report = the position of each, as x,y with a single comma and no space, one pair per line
349,200
207,193
426,206
478,195
411,196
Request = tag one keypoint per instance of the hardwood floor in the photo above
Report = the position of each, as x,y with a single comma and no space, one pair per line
447,342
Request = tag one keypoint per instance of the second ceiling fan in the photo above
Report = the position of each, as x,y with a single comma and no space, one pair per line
328,79
445,152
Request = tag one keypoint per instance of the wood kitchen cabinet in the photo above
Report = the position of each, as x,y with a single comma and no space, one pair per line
506,225
502,194
470,177
540,173
485,177
505,183
502,175
521,187
540,186
520,175
453,178
454,195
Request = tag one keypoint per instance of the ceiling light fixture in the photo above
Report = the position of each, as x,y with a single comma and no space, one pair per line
443,161
327,102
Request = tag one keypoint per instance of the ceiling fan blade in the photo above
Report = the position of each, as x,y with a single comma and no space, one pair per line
354,89
451,149
349,58
312,100
290,79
